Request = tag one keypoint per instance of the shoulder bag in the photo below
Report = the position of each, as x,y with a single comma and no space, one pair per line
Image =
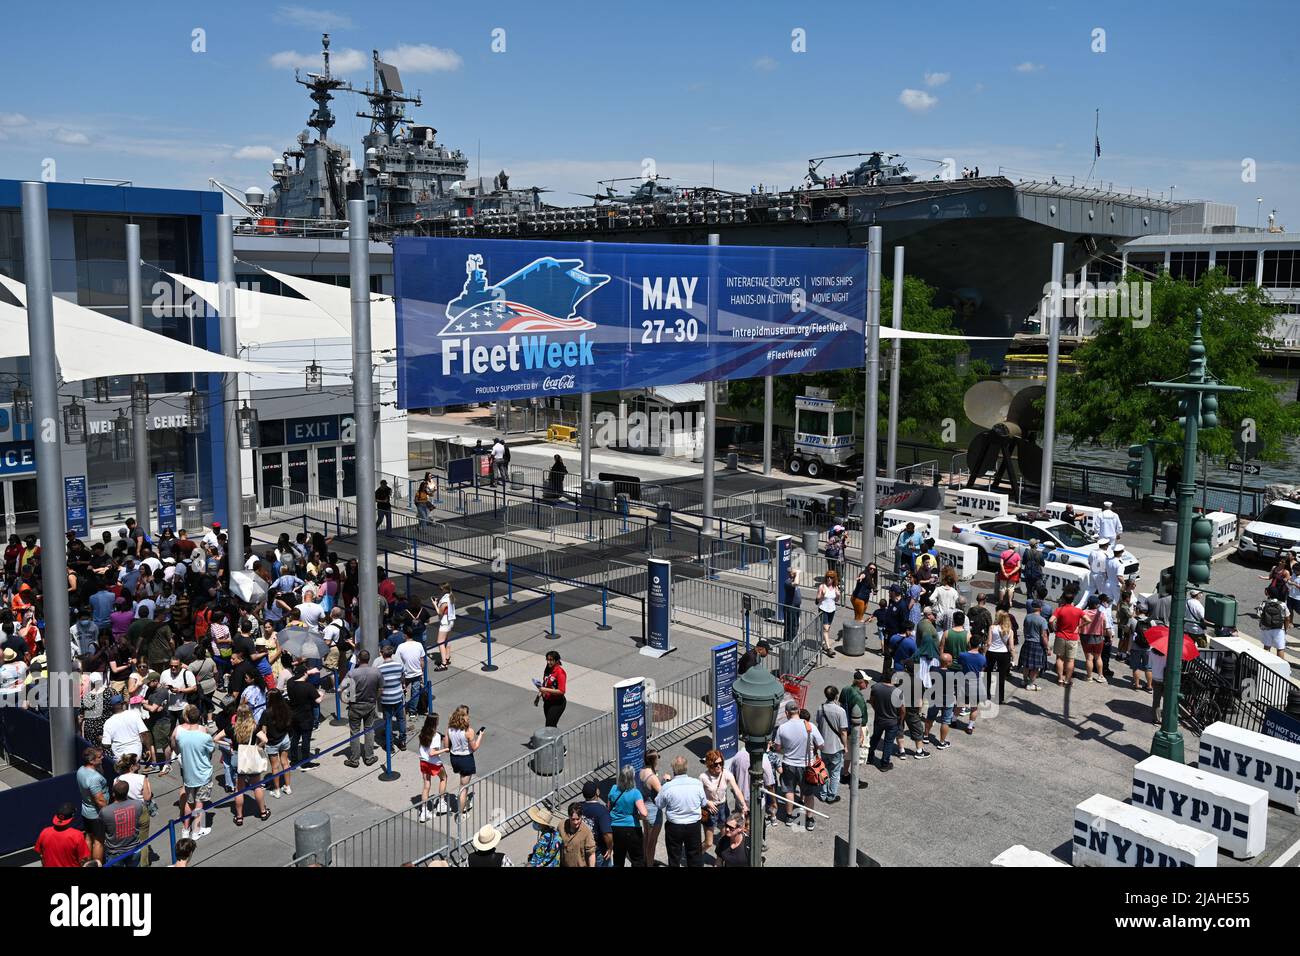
815,774
250,759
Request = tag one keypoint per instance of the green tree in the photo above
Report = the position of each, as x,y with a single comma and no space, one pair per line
930,385
1105,401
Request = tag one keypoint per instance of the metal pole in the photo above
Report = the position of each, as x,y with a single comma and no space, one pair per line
139,417
1053,359
49,474
855,731
872,413
767,424
364,413
895,362
584,435
757,819
710,400
230,394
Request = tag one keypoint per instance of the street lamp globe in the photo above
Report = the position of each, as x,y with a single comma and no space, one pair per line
758,695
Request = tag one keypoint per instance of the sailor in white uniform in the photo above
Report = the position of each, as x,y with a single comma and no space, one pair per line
1108,524
1097,563
1115,573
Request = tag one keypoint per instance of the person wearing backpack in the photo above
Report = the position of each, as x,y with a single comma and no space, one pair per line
1272,626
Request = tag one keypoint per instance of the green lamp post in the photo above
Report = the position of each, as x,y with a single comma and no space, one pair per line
758,694
1200,406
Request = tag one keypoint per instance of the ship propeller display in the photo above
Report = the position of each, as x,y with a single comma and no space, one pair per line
1008,445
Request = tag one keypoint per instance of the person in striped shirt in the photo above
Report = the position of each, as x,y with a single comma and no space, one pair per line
392,703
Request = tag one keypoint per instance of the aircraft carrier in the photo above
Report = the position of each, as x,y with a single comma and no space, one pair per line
983,242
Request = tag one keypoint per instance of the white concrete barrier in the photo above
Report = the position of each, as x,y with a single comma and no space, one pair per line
1087,513
1110,833
1056,576
963,558
1020,855
981,504
1253,758
927,524
1256,653
1225,529
1235,812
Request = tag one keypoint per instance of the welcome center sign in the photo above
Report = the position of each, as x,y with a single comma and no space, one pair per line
486,319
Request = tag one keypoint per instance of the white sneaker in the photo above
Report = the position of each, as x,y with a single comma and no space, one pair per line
424,814
275,794
185,833
202,832
287,791
442,809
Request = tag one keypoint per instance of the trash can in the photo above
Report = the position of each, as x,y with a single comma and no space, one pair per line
516,479
758,533
191,516
664,512
733,461
548,752
811,542
853,639
1169,532
1221,610
311,838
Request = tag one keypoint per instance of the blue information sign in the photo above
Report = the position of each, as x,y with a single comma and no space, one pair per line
483,319
75,501
630,722
784,551
166,484
659,600
17,458
726,718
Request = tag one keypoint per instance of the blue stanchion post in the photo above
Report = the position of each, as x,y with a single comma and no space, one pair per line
389,773
337,720
415,555
510,585
171,838
491,601
746,628
552,634
487,634
604,610
338,520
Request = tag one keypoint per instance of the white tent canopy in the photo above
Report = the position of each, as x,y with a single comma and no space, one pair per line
92,345
337,301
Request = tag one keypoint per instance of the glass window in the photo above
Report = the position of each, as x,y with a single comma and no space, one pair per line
1239,264
844,423
813,423
111,482
1188,265
1281,268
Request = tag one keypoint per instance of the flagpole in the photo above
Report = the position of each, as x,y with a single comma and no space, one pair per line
1096,144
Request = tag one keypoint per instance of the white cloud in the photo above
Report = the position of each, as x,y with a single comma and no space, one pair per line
256,152
1028,67
341,61
70,137
313,19
765,64
978,88
937,79
13,119
421,58
918,101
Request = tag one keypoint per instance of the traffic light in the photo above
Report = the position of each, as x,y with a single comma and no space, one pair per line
1209,410
1141,469
1200,552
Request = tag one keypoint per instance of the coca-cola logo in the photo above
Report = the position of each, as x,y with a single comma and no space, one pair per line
562,381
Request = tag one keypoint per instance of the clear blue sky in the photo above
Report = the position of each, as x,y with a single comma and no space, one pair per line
585,91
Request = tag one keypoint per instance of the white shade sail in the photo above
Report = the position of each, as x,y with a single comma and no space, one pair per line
263,318
337,301
92,345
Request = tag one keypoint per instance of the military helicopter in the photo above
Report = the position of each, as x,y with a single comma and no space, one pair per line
649,191
878,169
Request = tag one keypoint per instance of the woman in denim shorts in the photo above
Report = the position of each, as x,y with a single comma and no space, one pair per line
276,721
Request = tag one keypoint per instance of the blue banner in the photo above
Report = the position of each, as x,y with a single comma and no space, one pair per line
659,598
484,319
306,431
75,503
630,722
166,485
726,718
17,458
784,550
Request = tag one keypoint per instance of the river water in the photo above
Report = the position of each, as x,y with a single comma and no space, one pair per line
1287,471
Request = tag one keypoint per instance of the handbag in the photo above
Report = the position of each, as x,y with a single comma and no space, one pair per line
251,759
815,774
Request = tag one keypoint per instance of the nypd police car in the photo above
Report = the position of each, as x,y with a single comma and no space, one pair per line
1065,543
1276,529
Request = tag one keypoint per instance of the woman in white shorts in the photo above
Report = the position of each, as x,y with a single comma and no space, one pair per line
446,606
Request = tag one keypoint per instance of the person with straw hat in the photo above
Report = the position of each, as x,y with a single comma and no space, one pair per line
546,850
485,852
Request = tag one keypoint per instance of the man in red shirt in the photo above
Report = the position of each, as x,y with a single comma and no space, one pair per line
1065,621
62,844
